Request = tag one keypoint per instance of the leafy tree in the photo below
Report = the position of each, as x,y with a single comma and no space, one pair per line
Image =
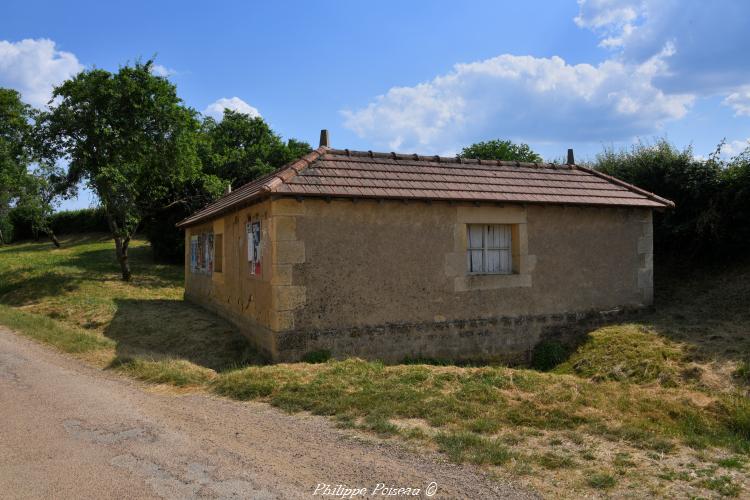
500,150
43,187
734,203
128,136
15,154
240,148
695,227
167,242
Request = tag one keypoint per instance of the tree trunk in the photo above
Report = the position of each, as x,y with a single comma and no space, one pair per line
121,249
53,238
2,241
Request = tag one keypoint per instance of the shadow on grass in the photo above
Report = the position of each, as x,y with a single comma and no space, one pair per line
15,292
101,263
29,284
175,329
707,309
700,315
43,245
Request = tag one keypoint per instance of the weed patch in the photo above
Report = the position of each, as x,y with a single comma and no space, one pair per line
722,485
601,480
469,447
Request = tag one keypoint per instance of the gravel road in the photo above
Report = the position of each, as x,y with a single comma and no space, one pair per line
68,430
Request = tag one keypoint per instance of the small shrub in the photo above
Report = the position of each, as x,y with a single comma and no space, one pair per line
601,480
547,355
320,356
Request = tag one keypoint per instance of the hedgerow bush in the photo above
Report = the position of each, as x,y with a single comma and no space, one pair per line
85,220
712,197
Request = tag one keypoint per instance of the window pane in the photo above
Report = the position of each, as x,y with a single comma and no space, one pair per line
493,261
504,262
498,236
475,261
475,236
494,234
504,236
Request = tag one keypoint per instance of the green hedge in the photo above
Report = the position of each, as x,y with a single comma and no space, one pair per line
85,220
711,218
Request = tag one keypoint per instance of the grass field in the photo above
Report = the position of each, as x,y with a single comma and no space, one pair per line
655,407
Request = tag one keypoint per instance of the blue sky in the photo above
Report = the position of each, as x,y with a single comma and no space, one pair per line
418,76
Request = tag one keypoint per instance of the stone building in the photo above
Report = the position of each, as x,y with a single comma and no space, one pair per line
392,256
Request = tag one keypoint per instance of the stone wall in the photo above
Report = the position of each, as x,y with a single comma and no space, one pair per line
506,339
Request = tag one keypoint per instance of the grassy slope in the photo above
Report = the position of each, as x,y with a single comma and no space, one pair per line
652,407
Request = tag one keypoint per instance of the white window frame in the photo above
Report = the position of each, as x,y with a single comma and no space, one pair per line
486,247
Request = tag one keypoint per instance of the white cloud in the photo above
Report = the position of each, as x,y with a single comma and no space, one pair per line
733,148
739,100
34,67
534,99
159,70
613,20
216,108
709,38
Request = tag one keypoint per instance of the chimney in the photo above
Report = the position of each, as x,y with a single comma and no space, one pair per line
228,189
324,139
571,159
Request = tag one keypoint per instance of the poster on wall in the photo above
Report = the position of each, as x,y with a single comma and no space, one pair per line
193,253
210,253
253,246
200,262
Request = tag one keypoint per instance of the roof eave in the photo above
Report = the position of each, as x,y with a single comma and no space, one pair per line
275,179
648,194
465,200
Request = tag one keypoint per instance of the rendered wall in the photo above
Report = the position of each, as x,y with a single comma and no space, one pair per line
388,279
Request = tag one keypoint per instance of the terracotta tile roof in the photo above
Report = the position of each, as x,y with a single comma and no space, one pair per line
332,173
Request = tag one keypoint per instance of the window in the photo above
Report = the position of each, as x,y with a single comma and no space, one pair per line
489,249
218,252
